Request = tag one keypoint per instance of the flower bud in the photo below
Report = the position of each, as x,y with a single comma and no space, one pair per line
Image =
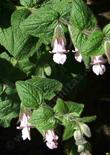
77,55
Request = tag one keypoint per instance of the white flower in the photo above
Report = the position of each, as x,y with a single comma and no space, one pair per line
25,127
59,58
98,65
99,69
51,139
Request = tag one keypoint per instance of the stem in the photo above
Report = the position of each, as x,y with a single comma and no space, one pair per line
65,22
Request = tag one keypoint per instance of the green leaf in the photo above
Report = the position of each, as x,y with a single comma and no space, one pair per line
6,38
43,118
68,107
28,3
19,45
30,95
106,30
87,119
62,7
8,111
23,44
25,65
74,108
107,49
93,45
60,107
48,86
40,23
69,130
78,38
81,15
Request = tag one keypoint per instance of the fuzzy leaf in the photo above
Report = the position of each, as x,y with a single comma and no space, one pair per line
28,3
68,131
19,45
81,15
30,95
43,118
8,111
106,30
60,107
40,23
48,86
87,119
93,45
74,108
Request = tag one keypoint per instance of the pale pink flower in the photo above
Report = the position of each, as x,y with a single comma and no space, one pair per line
51,139
59,51
98,65
25,126
59,46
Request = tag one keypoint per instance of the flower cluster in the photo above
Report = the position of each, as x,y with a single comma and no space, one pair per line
59,53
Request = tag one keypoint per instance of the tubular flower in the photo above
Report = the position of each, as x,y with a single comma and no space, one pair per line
25,126
59,51
51,139
98,65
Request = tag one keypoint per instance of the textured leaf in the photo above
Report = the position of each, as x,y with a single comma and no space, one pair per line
93,45
106,30
69,130
25,65
30,95
81,15
28,3
48,86
40,23
17,44
78,38
60,107
88,119
43,118
8,111
74,108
